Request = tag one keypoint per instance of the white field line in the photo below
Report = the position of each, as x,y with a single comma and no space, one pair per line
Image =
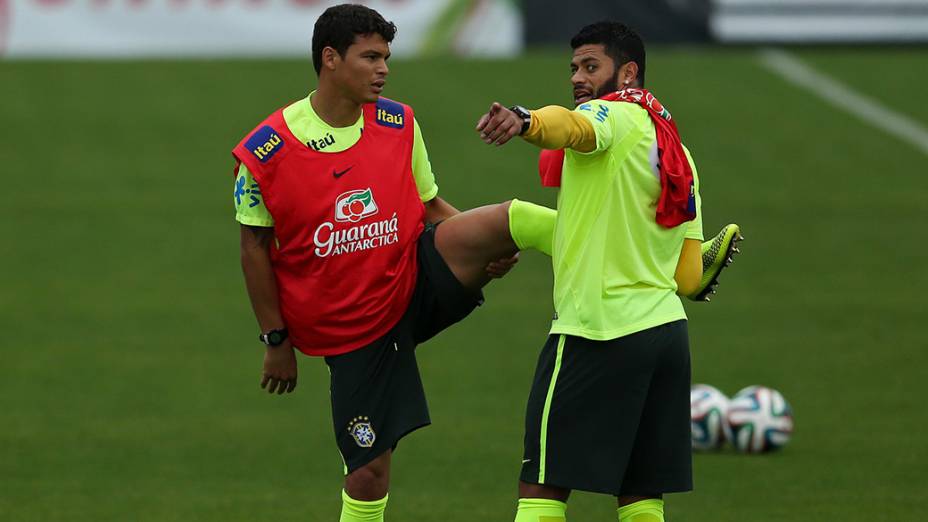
845,98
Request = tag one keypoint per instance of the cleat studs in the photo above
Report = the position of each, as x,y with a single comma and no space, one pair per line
707,298
736,250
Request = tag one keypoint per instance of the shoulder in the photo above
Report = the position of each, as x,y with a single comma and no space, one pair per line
621,117
616,110
607,115
391,114
262,144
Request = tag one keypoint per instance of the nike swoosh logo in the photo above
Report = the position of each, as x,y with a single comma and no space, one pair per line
342,173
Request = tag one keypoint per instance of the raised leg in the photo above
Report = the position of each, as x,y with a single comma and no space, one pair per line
470,240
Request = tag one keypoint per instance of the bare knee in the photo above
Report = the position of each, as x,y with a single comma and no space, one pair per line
371,481
625,500
527,490
504,211
502,233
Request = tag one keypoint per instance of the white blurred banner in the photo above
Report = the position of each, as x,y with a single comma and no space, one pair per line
206,28
820,21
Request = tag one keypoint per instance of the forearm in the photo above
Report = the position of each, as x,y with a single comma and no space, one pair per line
689,267
438,210
260,280
554,127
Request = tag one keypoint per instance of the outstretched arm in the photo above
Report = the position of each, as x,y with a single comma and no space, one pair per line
552,127
555,127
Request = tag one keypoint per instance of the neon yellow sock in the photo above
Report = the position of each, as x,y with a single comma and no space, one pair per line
532,226
541,510
651,510
362,511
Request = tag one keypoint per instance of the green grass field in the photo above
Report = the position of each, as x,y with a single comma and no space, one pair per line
130,371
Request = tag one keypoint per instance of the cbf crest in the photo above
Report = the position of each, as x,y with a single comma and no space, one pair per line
361,430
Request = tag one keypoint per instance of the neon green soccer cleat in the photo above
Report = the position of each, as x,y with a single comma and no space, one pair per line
717,254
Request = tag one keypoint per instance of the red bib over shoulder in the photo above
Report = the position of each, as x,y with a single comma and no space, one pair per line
677,202
346,226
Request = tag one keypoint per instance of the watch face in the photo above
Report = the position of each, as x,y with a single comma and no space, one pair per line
275,338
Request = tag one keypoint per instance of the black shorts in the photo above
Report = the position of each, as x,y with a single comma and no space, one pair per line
615,417
376,391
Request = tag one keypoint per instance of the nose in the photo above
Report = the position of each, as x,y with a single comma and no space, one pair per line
576,79
384,68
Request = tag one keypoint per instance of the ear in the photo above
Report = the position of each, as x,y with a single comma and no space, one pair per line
628,75
330,58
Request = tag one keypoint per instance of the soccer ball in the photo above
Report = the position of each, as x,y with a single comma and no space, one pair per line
708,407
760,420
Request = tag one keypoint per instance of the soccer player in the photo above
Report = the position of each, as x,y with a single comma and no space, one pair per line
608,411
334,194
337,201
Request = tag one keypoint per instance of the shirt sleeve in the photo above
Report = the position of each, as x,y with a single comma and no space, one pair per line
421,167
694,227
249,207
555,127
601,116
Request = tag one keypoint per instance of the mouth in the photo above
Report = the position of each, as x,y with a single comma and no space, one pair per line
377,86
582,96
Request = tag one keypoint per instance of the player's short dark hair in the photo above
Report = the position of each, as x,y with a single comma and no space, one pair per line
339,25
622,43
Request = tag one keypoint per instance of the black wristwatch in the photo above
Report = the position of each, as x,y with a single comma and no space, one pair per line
274,337
526,116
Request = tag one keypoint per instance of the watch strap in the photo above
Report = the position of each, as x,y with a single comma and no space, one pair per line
526,116
274,337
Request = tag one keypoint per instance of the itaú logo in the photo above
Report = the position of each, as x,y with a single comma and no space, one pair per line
352,207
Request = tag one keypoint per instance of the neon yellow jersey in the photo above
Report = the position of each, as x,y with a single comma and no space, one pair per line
613,264
309,128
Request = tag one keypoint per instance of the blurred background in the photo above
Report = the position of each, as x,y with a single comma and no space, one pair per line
130,368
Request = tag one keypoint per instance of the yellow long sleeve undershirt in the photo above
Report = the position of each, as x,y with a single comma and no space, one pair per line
555,127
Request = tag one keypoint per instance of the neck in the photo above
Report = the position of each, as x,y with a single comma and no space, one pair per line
333,107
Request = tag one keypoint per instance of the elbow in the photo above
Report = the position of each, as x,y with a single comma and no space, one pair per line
687,287
246,260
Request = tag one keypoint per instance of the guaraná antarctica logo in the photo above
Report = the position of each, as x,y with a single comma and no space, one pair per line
361,430
355,205
352,207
